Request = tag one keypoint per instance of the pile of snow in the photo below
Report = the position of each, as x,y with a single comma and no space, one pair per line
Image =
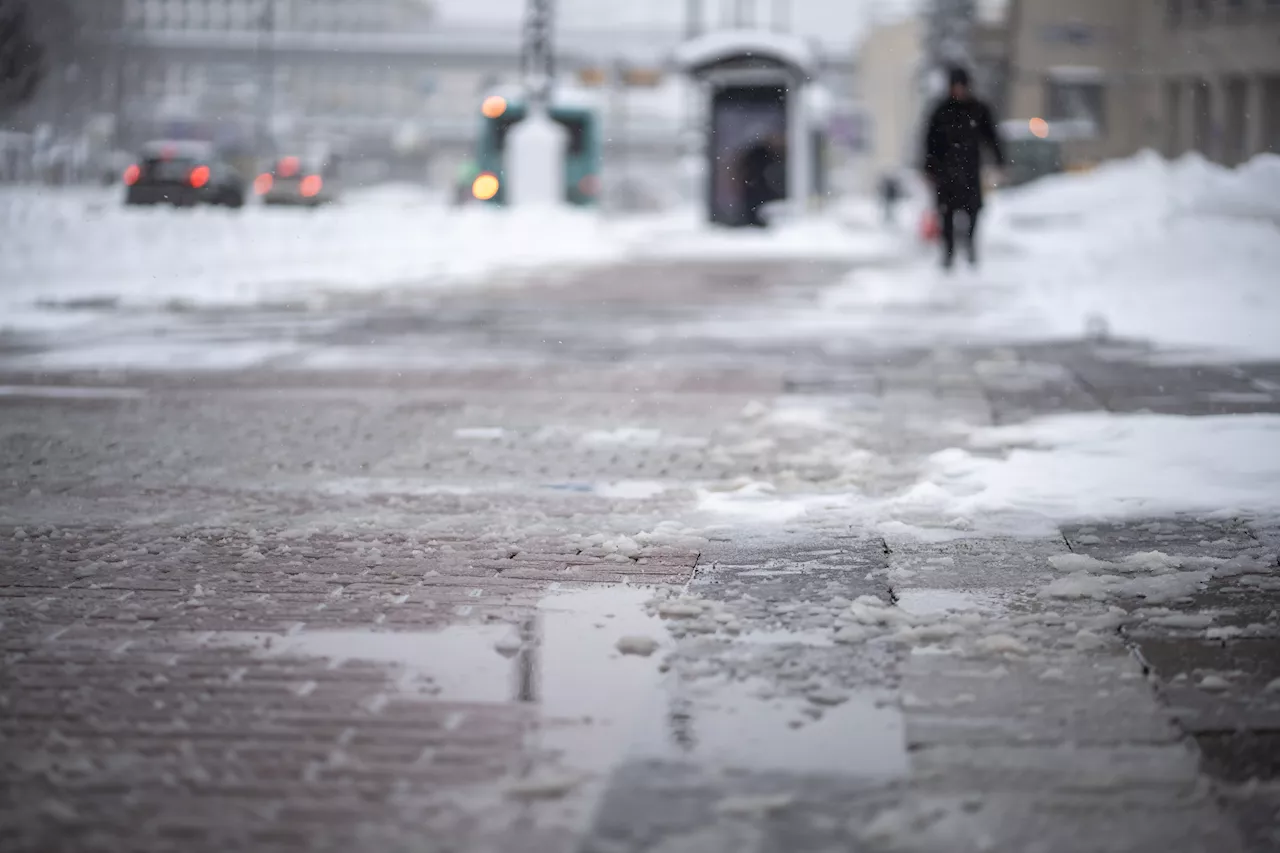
84,247
1024,479
67,251
1180,253
1155,577
1104,465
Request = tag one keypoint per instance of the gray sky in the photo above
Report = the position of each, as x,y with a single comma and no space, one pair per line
836,22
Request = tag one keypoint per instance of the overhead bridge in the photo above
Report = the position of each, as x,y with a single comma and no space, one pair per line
488,50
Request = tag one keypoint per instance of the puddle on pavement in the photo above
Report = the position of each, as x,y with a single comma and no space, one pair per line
68,392
459,663
732,725
617,489
937,602
597,706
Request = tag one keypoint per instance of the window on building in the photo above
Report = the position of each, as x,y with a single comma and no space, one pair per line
1080,102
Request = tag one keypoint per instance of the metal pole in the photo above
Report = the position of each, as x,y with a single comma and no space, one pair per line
537,58
692,19
266,86
782,16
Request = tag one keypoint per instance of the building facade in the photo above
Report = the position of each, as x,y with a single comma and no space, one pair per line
1175,76
889,88
1216,65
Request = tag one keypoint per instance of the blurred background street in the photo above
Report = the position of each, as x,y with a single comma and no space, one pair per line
372,477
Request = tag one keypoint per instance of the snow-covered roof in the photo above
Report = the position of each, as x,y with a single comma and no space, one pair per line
725,45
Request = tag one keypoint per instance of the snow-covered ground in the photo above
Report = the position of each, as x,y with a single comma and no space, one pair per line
84,246
1101,465
74,248
830,470
1183,254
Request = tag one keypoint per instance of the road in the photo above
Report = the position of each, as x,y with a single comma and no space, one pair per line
565,567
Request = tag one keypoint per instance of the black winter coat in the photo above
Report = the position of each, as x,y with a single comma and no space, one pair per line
953,151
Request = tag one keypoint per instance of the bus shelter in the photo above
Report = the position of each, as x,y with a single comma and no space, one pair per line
759,147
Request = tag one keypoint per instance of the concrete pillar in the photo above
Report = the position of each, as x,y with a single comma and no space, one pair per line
1255,115
1187,119
797,148
1216,148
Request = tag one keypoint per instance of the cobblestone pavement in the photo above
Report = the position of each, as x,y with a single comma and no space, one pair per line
394,588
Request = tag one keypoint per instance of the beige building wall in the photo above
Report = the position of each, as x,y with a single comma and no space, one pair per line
1076,64
1216,77
1172,75
888,61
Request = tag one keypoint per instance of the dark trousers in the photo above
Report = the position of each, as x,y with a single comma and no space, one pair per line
947,214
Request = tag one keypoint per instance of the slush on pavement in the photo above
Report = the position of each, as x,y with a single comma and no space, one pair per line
498,492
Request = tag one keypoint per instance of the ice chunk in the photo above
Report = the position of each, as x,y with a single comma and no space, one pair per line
637,645
754,806
1003,644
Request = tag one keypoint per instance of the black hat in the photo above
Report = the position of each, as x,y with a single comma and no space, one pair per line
959,76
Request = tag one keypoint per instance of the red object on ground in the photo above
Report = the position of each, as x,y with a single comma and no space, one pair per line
930,228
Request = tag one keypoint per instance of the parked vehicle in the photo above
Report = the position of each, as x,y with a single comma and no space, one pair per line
183,174
304,181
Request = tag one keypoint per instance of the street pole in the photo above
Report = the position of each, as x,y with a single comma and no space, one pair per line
267,70
534,165
692,19
537,58
782,16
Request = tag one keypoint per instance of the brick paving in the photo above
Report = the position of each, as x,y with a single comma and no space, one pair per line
200,573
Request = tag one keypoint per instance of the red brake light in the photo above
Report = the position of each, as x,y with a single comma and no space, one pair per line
132,175
589,185
310,186
199,176
263,183
287,167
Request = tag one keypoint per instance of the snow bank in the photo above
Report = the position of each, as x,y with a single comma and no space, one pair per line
1016,480
1179,253
84,247
1183,254
1105,465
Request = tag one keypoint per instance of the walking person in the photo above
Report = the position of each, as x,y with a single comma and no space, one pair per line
890,193
959,128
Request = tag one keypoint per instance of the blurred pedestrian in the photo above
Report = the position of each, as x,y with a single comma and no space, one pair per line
959,128
760,170
890,194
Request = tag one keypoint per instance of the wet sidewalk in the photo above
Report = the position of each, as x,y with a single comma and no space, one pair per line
554,571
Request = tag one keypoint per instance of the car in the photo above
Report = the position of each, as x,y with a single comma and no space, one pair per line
184,174
296,180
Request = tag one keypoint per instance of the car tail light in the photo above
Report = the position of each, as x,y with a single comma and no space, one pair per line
589,185
310,186
263,183
485,186
287,167
132,175
199,176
